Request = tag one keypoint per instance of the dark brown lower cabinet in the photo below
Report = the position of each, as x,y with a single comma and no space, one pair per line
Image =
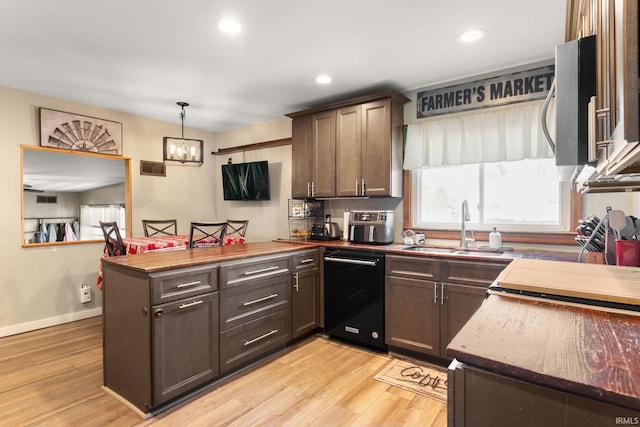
304,300
185,345
424,307
480,398
458,304
160,333
251,340
305,295
255,309
171,330
412,315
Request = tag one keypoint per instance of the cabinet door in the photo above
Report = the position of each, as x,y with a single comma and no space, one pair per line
620,72
349,151
305,312
324,154
412,315
185,345
302,155
376,148
458,303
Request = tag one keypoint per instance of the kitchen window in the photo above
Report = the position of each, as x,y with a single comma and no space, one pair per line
91,215
500,162
522,195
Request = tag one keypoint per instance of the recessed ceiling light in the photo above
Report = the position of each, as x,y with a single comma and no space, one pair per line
228,26
323,79
471,35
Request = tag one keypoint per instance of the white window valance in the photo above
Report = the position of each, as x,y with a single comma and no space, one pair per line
511,133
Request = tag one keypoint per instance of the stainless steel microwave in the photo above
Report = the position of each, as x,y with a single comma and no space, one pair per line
575,85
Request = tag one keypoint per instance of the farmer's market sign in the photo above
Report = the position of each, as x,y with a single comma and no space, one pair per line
507,89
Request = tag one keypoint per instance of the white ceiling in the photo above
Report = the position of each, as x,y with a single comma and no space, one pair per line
61,172
142,56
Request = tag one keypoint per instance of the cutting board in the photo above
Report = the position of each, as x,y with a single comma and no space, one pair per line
571,279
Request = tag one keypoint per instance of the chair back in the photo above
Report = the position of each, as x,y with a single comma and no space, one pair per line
201,231
162,227
237,226
112,238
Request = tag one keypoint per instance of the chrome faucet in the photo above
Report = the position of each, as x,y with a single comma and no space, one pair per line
464,240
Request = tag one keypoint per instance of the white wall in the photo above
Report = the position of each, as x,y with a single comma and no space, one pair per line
596,204
267,219
40,286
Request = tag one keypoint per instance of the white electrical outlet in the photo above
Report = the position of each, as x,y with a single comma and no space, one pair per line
85,293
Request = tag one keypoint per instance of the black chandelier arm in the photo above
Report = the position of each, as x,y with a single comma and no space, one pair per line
182,114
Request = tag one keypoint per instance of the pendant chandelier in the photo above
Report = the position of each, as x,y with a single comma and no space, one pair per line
182,150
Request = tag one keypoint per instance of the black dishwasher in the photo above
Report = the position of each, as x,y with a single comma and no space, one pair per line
354,296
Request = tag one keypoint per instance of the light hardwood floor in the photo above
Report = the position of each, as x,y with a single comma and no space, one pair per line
53,377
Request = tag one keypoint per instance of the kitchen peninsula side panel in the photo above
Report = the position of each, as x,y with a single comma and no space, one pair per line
127,335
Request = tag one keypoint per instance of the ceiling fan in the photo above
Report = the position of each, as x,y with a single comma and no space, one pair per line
29,188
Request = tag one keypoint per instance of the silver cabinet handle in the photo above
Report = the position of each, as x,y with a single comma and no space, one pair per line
351,261
442,293
435,293
356,187
158,312
296,284
255,301
306,261
262,270
190,304
591,133
186,285
313,188
363,189
261,337
308,189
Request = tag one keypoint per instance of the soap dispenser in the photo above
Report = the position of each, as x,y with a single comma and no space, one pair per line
495,239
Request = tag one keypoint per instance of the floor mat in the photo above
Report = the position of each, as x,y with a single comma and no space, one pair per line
427,380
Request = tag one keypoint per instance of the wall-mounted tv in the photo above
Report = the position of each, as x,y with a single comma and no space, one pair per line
246,181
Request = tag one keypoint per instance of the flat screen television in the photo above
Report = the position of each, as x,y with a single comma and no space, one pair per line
246,181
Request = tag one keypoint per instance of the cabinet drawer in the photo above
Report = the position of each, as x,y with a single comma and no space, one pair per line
254,299
305,260
182,283
478,273
412,267
249,341
238,272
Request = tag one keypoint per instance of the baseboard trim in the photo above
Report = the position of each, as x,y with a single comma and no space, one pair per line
50,321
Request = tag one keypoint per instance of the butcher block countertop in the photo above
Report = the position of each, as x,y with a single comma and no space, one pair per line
587,350
589,281
159,261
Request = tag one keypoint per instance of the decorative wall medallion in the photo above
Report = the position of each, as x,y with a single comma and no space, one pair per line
74,132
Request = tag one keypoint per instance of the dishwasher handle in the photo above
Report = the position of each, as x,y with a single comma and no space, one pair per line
352,261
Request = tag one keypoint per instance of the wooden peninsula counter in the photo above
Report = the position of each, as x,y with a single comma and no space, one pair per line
554,344
176,322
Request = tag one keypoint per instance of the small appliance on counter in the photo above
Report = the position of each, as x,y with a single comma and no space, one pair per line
374,227
325,230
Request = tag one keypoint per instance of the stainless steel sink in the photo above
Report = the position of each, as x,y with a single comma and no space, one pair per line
482,252
453,250
428,249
